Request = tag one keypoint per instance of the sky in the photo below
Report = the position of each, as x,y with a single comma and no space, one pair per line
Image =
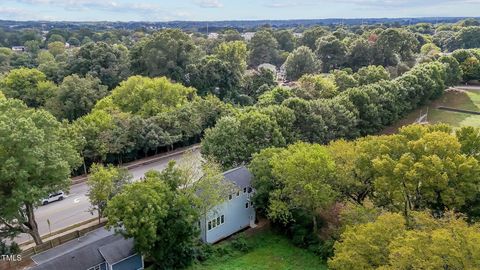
212,10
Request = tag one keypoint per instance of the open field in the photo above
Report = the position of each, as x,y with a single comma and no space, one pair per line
269,252
464,98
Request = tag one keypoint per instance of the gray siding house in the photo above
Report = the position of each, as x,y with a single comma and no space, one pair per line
235,213
97,250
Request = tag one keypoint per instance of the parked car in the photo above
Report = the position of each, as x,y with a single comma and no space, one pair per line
58,196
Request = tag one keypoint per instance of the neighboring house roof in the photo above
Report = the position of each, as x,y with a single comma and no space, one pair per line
117,251
241,176
86,251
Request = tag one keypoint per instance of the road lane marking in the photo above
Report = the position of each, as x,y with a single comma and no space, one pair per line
76,200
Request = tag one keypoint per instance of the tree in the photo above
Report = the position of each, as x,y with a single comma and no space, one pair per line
107,62
256,83
214,76
365,246
428,243
167,231
426,170
371,74
166,53
468,37
395,45
263,48
331,52
233,140
29,85
276,96
56,48
344,80
454,72
285,39
36,159
471,69
104,183
316,87
146,96
310,37
235,55
303,171
360,53
76,97
301,61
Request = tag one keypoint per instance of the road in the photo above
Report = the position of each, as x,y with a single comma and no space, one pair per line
74,208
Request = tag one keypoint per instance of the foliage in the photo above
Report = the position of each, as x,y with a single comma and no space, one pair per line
166,53
301,61
316,87
263,48
104,183
107,62
371,74
28,85
427,243
76,97
36,159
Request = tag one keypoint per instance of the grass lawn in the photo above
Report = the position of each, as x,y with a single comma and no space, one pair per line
467,100
269,252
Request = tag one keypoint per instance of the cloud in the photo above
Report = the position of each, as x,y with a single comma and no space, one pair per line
209,3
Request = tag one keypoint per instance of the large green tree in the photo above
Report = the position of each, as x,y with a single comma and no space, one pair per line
107,62
104,183
76,97
301,61
37,158
166,53
28,85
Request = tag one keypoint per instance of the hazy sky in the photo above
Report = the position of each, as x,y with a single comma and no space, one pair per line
203,10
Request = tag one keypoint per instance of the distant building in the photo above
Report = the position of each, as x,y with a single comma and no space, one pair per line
213,36
97,250
248,35
19,48
233,215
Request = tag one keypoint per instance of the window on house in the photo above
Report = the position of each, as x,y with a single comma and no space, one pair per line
244,190
223,219
214,222
250,190
218,220
251,204
246,205
230,197
209,225
96,267
238,193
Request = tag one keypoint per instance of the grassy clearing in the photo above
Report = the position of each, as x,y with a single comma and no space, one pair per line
268,251
466,100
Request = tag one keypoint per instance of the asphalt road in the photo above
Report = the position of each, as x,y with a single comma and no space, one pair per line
75,208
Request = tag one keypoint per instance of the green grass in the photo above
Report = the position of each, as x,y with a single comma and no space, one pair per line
269,252
465,100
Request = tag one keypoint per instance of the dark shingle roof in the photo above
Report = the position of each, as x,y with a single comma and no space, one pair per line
83,252
241,176
117,251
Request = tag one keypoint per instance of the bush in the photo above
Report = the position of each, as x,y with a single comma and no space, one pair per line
241,244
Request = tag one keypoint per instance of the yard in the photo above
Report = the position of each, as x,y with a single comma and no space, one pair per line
465,99
268,251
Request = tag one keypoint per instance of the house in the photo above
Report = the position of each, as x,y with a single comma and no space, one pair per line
235,213
19,48
98,250
248,36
